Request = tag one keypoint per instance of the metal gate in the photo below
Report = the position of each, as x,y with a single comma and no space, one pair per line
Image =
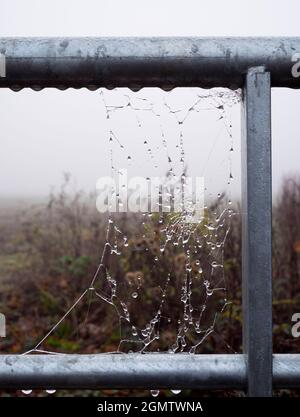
254,64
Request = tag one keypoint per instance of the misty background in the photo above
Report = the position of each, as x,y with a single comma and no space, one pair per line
44,134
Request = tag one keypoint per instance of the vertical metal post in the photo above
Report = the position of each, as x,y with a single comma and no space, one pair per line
256,229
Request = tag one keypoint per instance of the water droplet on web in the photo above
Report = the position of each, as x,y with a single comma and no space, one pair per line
184,298
144,332
154,392
134,331
27,391
175,391
50,391
134,295
209,291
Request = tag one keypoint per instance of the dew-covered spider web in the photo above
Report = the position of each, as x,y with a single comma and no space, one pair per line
160,280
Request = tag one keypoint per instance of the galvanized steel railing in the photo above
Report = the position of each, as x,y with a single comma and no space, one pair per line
254,64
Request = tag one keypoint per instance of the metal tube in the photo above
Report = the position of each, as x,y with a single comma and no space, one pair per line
150,371
141,62
122,371
256,233
286,371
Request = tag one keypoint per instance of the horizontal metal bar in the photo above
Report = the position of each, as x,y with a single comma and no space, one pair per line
149,371
122,371
286,371
143,62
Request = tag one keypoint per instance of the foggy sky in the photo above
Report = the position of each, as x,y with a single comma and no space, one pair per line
43,134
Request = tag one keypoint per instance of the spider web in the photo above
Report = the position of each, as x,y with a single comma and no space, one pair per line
160,276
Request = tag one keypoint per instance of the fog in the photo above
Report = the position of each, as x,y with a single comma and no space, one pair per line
43,134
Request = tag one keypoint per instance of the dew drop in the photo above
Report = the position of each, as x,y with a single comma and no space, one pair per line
184,298
27,391
50,391
154,392
134,295
175,391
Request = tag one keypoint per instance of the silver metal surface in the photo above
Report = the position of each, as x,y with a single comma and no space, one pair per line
141,62
256,231
122,371
286,371
138,371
